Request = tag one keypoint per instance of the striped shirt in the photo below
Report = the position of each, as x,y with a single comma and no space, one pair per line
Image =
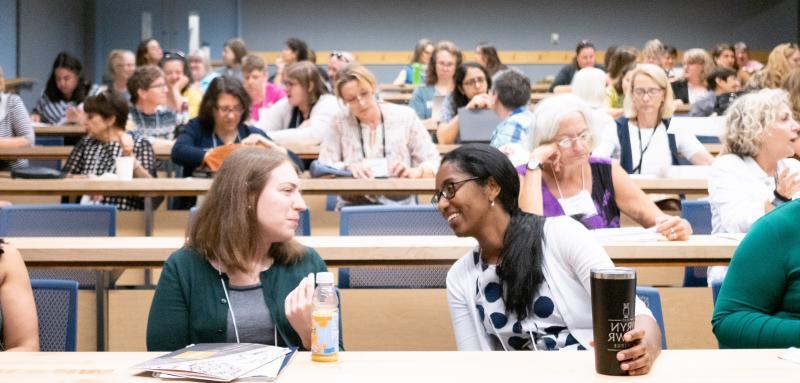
55,112
14,122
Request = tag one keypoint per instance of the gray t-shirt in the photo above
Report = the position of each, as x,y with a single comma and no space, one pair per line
252,316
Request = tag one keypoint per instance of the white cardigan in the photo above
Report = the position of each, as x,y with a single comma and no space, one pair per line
570,250
319,122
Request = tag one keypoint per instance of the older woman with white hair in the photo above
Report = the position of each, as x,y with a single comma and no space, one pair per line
754,174
589,84
697,65
641,142
562,178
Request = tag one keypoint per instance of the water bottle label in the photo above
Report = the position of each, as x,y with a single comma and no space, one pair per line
325,332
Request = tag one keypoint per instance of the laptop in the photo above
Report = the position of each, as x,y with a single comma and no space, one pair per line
476,125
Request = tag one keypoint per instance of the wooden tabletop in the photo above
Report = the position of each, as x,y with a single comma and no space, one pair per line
194,186
54,153
355,250
701,366
59,130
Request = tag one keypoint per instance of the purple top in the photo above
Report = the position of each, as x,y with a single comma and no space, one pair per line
602,195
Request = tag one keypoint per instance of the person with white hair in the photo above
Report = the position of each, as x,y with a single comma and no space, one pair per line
589,84
755,174
562,178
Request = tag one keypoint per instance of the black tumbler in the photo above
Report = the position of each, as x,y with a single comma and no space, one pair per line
613,312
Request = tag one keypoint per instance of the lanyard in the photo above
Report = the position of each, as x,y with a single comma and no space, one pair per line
144,123
216,143
638,167
361,136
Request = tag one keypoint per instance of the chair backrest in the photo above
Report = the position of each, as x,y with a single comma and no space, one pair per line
393,277
48,141
62,220
57,310
392,220
651,298
698,213
304,227
716,285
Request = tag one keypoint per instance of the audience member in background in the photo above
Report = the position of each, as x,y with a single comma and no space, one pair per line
622,60
223,112
526,285
263,94
724,56
584,58
65,91
422,56
240,246
16,127
792,86
562,178
669,61
609,53
746,66
376,139
337,61
304,116
782,60
149,115
654,52
182,97
618,91
19,326
697,65
486,55
720,81
200,68
755,174
641,142
438,79
121,64
472,85
149,53
296,50
589,84
511,93
757,306
233,52
105,140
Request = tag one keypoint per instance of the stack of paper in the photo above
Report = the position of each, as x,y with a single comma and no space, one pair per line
221,362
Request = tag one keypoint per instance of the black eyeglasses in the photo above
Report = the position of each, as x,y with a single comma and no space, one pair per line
449,190
174,55
340,55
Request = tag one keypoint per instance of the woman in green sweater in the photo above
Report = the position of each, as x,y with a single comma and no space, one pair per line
240,277
759,303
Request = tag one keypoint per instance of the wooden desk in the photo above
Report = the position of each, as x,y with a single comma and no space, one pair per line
396,98
59,130
194,186
129,252
701,366
403,88
54,153
13,85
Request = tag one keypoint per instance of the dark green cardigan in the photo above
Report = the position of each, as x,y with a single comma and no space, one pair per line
759,303
189,305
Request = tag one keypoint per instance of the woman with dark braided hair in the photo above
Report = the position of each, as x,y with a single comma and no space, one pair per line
19,327
526,285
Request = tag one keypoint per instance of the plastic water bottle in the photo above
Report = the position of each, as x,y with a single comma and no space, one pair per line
416,73
325,320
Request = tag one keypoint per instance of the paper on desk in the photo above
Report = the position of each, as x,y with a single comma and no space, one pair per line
737,236
792,354
631,234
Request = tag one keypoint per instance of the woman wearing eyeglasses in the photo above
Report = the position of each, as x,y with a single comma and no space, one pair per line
183,95
149,114
304,116
526,285
438,79
641,143
472,85
562,178
223,111
376,139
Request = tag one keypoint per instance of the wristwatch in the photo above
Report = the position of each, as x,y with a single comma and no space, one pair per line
535,164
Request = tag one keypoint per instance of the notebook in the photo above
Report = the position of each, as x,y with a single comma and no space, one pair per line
436,107
476,125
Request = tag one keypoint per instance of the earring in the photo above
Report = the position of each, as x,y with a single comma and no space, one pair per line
492,202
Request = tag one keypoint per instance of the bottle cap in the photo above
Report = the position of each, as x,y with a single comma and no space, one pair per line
325,277
613,273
